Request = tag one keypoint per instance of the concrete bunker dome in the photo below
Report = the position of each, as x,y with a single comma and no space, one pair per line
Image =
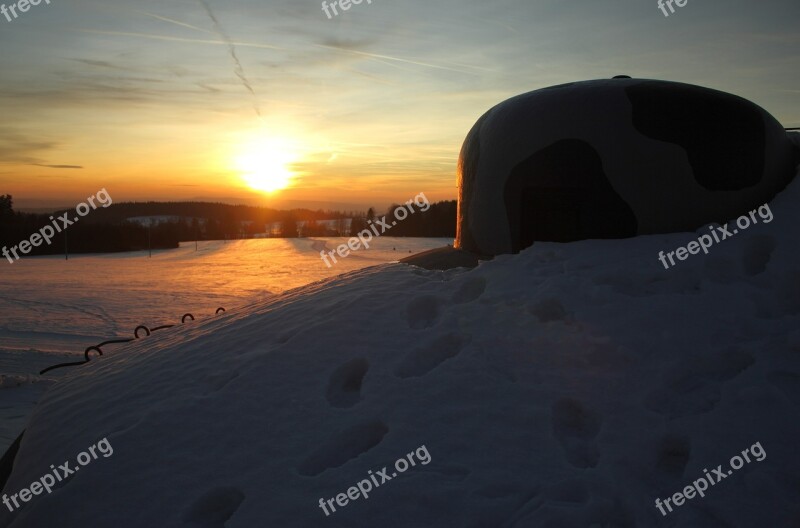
615,158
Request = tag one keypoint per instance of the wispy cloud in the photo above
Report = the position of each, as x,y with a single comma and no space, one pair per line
17,147
379,97
99,64
178,39
57,166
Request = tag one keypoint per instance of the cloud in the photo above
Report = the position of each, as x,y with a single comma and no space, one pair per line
16,147
58,166
99,64
349,44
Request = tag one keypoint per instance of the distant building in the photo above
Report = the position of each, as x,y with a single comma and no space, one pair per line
334,227
153,220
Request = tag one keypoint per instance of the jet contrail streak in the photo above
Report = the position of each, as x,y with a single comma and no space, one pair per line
172,21
398,59
237,65
178,39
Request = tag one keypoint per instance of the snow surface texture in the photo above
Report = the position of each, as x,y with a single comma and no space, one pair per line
57,306
53,309
569,385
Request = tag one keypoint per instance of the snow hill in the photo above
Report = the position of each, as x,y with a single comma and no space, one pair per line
569,385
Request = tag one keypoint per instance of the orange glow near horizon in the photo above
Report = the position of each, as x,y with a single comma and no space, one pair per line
277,162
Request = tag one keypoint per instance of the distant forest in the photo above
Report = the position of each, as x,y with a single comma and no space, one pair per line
124,226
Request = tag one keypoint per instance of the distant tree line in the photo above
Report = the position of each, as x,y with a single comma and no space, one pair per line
111,229
439,220
83,236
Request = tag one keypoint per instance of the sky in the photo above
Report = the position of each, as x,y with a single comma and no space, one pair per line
169,100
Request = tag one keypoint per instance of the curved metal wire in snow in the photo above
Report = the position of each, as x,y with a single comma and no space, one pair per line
98,348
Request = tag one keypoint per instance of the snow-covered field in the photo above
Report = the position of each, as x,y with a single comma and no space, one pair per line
52,309
568,386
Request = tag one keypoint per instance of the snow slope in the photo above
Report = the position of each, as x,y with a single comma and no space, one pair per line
57,306
569,385
53,309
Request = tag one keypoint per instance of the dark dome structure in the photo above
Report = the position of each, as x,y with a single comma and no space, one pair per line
615,158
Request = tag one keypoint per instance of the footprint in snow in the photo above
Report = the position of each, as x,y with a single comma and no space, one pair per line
426,358
788,383
548,310
470,290
673,454
694,387
423,312
343,447
344,386
575,427
756,253
214,508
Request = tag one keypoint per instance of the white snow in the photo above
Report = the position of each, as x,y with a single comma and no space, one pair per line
569,385
52,309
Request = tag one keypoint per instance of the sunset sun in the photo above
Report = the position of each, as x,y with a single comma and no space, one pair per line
264,165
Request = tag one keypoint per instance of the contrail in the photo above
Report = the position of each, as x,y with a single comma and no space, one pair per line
237,65
177,39
398,59
171,21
